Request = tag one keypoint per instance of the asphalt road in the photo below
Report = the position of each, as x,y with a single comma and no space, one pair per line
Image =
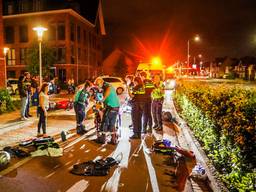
140,169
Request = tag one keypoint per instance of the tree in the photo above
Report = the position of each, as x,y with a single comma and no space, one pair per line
32,60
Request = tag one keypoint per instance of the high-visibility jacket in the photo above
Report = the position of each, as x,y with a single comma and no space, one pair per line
158,91
139,93
81,97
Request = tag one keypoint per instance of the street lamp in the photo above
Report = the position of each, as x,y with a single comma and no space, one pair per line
196,39
6,49
40,31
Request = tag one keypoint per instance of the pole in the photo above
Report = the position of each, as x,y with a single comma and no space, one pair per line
88,56
5,70
188,58
40,63
77,66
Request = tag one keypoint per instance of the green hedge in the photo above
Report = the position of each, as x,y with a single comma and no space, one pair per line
6,103
223,119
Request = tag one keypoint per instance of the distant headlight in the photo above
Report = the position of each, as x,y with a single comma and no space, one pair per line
170,84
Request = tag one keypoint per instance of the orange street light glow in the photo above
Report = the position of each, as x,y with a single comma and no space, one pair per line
40,30
156,61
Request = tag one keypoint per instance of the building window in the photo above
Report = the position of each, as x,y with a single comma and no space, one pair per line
23,55
85,37
24,6
72,32
62,75
11,57
61,31
9,34
79,55
60,55
11,74
52,33
72,55
37,5
78,34
10,8
23,29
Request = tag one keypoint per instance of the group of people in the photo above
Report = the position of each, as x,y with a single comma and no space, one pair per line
27,87
146,100
110,109
30,92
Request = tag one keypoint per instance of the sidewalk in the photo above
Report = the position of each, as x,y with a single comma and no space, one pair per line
13,130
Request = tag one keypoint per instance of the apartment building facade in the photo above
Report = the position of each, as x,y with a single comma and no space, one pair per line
74,39
2,64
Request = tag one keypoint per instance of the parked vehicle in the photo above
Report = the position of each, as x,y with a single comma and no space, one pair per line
12,86
116,82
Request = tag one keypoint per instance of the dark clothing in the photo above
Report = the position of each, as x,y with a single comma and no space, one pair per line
22,88
42,121
147,116
157,106
138,108
109,119
137,111
139,93
80,114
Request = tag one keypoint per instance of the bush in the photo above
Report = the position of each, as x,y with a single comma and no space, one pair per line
223,119
6,103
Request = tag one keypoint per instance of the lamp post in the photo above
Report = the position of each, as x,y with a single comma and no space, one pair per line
6,49
196,38
40,31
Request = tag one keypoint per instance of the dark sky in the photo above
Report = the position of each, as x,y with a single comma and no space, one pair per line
163,27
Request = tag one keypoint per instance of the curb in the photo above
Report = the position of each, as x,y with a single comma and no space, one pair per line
214,183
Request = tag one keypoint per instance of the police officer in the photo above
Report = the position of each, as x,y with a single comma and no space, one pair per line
80,103
147,116
157,102
111,109
138,104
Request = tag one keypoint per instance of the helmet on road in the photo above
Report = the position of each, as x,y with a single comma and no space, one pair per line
5,158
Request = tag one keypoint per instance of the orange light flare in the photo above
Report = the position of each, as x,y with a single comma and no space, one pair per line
170,70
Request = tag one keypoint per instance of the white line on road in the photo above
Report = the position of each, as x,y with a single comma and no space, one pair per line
80,186
151,170
51,174
15,166
123,148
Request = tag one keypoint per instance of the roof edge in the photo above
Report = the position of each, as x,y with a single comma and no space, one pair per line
71,11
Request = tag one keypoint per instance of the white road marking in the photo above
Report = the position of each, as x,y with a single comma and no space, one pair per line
123,149
80,186
82,147
151,170
51,174
15,166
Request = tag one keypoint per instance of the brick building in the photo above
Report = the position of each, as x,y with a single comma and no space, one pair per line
2,66
73,32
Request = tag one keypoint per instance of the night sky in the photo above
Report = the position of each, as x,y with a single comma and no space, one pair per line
163,27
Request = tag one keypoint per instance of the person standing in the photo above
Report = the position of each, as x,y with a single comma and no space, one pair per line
23,97
138,105
27,83
80,103
147,116
42,109
157,102
111,109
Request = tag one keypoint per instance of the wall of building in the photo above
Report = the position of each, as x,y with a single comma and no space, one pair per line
78,52
2,65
